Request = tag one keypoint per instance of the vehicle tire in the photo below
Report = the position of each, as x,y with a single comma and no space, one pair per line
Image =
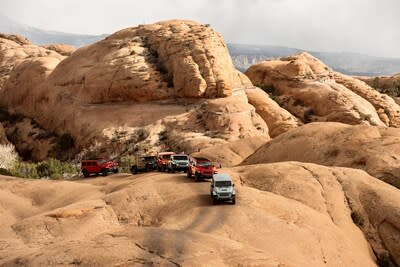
197,177
172,169
233,201
104,172
189,174
116,170
85,173
134,170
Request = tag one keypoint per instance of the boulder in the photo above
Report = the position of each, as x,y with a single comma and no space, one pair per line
279,120
312,92
62,49
14,49
146,76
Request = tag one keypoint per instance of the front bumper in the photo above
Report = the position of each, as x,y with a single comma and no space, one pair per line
180,167
224,196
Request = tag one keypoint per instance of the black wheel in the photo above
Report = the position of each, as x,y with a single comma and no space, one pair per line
197,177
116,170
158,168
172,169
189,174
233,201
104,172
134,170
85,173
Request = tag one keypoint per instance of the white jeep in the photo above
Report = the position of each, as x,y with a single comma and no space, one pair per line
222,188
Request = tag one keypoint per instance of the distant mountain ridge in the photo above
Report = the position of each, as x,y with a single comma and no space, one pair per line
243,55
43,37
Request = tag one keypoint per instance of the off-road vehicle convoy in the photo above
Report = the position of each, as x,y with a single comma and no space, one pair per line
201,168
178,162
98,166
144,164
222,188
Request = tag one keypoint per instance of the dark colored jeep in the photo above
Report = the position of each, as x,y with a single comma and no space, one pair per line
144,164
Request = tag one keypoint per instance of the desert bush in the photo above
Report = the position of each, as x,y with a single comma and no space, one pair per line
125,163
8,156
5,172
51,168
24,170
57,169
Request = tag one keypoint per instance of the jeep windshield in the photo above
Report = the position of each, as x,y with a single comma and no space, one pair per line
180,158
102,161
150,159
204,164
223,183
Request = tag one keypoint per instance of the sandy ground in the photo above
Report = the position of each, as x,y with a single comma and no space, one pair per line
160,219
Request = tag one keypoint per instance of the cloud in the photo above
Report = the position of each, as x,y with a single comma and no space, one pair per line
326,25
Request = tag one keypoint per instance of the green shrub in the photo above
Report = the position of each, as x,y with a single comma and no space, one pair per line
126,162
5,172
52,168
43,169
24,170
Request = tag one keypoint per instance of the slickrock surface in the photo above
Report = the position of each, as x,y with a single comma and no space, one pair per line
287,214
147,76
373,149
278,119
62,49
14,49
311,91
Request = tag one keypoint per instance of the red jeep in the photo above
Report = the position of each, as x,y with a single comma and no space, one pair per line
201,168
163,159
97,166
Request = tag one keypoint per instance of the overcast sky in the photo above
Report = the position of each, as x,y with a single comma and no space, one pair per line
364,26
